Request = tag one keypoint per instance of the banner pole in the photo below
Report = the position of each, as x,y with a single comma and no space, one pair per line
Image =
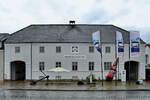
129,57
116,50
101,64
118,68
96,40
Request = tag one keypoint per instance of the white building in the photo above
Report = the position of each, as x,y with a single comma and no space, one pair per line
147,61
3,37
68,46
147,54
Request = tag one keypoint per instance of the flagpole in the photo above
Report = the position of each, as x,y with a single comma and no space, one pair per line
119,39
129,58
101,64
96,40
118,68
116,50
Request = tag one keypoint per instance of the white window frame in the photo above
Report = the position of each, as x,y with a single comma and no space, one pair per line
74,66
58,64
17,49
41,66
107,65
92,49
108,49
41,49
57,49
91,65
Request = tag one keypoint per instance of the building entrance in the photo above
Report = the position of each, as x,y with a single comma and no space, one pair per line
18,70
131,68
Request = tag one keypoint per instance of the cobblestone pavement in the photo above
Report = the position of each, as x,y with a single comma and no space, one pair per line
58,86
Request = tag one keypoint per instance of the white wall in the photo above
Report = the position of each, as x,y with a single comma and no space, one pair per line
147,52
50,57
1,64
11,56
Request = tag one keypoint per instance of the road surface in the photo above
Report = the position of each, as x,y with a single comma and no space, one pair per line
73,95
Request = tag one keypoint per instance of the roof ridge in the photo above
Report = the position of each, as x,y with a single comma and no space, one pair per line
71,24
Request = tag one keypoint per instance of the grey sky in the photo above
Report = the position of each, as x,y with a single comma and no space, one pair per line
127,14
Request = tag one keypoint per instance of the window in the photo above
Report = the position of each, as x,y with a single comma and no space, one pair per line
75,77
74,66
42,49
41,66
146,59
58,49
17,49
91,65
58,77
58,64
107,49
147,66
75,49
91,49
107,65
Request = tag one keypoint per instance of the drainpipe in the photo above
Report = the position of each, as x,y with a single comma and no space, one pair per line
3,62
31,61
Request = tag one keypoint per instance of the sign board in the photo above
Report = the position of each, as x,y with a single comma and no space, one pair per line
123,75
75,56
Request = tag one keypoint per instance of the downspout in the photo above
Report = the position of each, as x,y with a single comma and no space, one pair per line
31,60
4,62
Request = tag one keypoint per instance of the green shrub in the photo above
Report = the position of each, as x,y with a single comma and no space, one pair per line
93,78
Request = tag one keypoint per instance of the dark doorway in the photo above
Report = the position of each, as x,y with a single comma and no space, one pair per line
131,68
18,70
147,74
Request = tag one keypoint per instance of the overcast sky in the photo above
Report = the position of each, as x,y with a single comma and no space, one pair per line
127,14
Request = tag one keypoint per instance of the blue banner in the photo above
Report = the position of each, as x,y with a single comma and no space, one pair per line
96,40
134,43
120,44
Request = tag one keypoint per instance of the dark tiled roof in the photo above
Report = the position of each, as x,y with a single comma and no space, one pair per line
147,45
3,36
66,33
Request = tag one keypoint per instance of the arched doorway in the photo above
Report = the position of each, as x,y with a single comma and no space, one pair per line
18,70
131,68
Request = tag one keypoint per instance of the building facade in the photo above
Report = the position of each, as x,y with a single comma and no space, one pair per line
1,64
3,37
43,47
147,61
147,54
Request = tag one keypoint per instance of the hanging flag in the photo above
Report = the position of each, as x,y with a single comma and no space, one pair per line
120,44
134,43
96,40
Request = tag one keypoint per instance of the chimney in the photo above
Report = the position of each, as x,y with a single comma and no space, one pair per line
71,22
